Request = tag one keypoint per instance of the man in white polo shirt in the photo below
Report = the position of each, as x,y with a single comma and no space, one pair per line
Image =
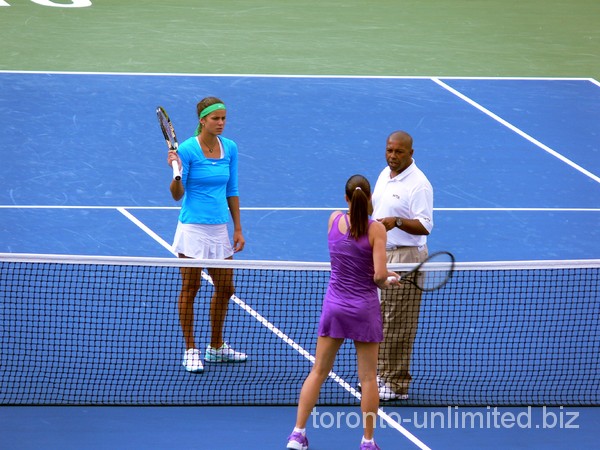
403,202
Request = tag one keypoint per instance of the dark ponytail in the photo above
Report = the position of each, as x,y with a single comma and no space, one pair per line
358,191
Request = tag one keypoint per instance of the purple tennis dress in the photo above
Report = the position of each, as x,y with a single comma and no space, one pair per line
351,305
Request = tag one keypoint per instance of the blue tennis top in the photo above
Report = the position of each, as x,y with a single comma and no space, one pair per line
208,182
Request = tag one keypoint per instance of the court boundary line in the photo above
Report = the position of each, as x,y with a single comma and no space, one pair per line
253,75
515,129
296,208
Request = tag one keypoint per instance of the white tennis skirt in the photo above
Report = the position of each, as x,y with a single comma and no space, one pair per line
202,241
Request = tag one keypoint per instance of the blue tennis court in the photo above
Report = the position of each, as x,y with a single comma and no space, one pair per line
513,170
515,173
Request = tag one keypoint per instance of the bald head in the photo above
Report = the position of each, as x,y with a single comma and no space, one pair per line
402,137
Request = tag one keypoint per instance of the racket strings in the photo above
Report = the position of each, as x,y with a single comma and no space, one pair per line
434,272
167,129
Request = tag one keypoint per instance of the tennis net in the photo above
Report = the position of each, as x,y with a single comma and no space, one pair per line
79,330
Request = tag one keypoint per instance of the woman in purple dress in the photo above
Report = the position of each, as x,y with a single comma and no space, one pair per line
350,308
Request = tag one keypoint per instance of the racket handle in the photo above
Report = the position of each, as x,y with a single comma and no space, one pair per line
176,173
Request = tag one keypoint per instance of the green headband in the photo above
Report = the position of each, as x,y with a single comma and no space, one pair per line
206,111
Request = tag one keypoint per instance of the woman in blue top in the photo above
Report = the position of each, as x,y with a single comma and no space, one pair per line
209,188
350,307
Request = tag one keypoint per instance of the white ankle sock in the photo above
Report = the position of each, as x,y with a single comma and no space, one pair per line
367,441
300,430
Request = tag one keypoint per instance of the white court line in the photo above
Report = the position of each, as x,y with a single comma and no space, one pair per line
123,209
147,230
516,130
267,75
284,337
522,209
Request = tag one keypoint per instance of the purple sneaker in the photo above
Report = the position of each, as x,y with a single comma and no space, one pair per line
297,441
369,446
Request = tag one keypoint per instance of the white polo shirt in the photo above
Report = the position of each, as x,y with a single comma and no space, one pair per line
408,195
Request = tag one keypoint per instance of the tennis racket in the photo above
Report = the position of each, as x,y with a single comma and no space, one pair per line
431,274
170,138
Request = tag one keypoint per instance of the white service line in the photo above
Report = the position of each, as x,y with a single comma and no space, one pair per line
516,130
148,231
123,209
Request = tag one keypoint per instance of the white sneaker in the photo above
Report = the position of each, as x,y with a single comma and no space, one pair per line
192,361
386,393
224,354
